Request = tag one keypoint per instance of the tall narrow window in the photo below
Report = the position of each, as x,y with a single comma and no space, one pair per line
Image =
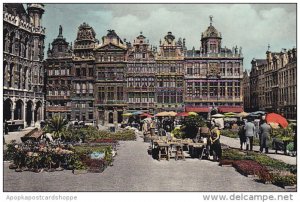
119,93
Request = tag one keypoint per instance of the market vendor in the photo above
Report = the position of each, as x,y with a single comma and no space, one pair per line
215,142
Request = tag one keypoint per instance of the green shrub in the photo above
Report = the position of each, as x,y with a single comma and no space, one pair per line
229,133
274,164
91,134
270,162
177,133
232,154
292,168
282,180
283,134
191,125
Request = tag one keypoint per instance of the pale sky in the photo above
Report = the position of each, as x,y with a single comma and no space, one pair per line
250,26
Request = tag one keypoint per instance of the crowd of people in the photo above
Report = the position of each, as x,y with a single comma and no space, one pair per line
208,134
249,129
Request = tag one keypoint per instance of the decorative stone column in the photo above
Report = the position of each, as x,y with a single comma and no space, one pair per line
5,83
24,112
42,112
12,113
105,121
32,121
115,117
12,110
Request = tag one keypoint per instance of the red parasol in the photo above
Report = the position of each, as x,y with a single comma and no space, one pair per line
182,114
276,118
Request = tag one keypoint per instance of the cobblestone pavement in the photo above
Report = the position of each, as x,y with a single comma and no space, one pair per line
235,143
135,170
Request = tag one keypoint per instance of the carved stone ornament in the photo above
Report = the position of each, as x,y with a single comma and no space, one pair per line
214,70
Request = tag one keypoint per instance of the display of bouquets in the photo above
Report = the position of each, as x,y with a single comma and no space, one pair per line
33,161
17,153
59,157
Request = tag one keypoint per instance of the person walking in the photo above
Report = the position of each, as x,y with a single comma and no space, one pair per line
242,134
215,142
152,127
249,132
264,135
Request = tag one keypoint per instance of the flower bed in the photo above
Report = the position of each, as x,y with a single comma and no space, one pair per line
271,163
284,179
262,166
121,135
36,156
232,154
248,167
105,140
53,157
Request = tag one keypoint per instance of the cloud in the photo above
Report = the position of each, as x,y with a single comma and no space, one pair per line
251,26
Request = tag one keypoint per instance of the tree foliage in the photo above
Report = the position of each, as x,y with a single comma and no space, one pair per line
56,126
191,125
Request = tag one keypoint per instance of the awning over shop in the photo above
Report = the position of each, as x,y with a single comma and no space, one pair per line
225,109
197,109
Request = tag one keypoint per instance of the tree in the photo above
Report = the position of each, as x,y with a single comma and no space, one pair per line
56,126
191,125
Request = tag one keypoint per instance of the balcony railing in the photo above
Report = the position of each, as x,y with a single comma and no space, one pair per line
58,97
135,88
58,108
112,102
213,99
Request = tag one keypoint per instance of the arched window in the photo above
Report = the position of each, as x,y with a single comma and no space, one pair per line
91,88
20,82
10,75
5,39
11,42
5,73
25,78
78,88
84,88
25,50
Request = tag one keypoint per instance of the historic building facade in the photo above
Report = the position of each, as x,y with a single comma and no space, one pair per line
246,91
140,75
113,76
169,74
110,82
287,84
83,98
59,77
257,84
213,76
23,70
273,83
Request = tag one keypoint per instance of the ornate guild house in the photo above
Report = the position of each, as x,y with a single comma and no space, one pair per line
169,74
23,70
59,77
110,83
111,77
213,76
273,83
140,75
97,81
